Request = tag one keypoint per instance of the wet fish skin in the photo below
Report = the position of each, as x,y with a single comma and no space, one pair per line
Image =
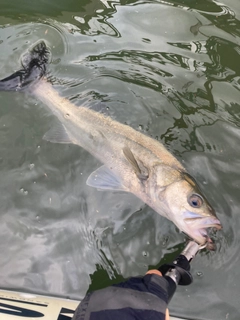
133,162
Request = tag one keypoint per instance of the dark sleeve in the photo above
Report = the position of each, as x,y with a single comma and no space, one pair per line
138,298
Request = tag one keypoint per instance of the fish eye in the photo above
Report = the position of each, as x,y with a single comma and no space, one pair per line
195,200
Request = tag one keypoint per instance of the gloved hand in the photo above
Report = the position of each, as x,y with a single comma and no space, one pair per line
138,298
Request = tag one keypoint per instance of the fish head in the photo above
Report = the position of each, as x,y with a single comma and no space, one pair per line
186,206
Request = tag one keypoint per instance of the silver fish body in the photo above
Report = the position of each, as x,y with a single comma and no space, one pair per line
113,143
132,161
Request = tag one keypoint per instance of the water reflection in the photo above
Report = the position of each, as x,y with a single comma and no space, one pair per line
167,68
197,106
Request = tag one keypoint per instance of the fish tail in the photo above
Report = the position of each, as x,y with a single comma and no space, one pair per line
34,67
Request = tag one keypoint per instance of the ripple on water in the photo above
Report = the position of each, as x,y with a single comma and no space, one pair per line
169,70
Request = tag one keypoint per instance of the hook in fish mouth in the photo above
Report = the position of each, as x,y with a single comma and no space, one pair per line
207,234
200,230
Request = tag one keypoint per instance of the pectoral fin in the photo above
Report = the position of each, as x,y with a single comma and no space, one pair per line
103,178
58,134
140,170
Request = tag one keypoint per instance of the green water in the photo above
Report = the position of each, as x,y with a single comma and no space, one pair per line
170,69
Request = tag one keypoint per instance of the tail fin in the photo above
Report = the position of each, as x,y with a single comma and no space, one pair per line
34,65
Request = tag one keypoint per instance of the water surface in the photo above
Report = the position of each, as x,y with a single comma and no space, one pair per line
167,68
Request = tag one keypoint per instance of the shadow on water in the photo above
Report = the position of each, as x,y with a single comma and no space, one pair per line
169,69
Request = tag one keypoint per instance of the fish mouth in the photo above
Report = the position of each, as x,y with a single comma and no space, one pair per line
200,230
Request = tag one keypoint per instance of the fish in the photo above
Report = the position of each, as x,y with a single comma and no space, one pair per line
131,161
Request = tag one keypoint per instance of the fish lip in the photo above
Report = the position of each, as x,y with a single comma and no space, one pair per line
198,229
204,222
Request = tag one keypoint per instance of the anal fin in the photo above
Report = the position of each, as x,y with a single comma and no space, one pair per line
58,134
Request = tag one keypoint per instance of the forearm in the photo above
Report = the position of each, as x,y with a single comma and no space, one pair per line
138,297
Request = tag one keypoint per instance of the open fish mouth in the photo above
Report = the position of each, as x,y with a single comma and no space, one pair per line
206,233
200,230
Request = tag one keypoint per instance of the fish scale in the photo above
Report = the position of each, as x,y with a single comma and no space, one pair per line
132,161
